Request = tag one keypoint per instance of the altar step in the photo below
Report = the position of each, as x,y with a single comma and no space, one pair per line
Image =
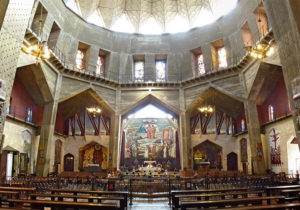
150,195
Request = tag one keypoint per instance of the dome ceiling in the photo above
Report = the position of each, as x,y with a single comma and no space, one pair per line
150,16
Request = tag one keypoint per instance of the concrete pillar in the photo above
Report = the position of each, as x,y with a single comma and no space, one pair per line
115,120
285,21
93,57
207,56
255,137
185,134
47,131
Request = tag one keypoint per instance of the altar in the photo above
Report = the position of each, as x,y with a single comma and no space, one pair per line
150,167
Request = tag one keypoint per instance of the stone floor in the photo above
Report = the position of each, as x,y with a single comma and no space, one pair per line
150,205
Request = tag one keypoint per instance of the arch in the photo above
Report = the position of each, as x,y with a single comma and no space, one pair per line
150,99
222,99
69,162
82,99
232,161
208,151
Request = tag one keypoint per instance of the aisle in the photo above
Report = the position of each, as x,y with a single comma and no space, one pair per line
150,206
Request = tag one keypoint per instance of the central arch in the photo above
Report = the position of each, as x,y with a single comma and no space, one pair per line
149,132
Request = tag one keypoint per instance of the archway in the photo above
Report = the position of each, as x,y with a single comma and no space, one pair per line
232,162
93,156
207,151
293,155
150,133
69,162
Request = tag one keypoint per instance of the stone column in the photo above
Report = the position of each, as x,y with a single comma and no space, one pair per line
14,17
47,131
285,20
255,137
114,142
184,133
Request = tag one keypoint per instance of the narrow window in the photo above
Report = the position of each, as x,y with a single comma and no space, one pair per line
29,115
160,66
139,71
100,66
271,112
222,60
243,125
200,65
80,58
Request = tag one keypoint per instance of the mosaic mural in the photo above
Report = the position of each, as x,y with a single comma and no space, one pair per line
150,139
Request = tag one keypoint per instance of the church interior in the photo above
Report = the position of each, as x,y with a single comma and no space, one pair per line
143,104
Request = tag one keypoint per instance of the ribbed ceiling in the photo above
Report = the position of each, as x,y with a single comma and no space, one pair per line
151,16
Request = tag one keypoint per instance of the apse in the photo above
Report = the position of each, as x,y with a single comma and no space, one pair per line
150,134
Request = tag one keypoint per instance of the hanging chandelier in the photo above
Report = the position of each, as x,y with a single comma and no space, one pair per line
206,109
94,110
261,51
40,50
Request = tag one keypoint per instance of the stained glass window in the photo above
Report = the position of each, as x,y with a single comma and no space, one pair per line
160,70
100,66
200,65
29,115
271,112
243,125
139,71
222,59
80,60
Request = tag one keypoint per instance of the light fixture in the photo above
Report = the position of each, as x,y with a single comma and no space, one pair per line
94,110
261,51
40,50
206,109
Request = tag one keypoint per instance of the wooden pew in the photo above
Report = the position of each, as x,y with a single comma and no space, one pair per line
291,194
230,202
90,199
92,192
277,206
37,204
189,192
243,194
271,189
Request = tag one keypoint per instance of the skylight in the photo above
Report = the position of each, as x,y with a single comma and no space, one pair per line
150,111
96,19
72,4
151,27
123,25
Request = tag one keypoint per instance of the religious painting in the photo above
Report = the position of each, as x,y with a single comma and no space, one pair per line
150,140
275,146
244,152
100,66
259,152
206,152
93,154
57,154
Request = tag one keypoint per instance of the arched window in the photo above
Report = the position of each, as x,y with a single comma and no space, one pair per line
243,125
29,115
271,112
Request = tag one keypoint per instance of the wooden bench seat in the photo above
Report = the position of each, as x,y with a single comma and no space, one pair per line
38,204
243,194
230,202
61,197
271,190
277,206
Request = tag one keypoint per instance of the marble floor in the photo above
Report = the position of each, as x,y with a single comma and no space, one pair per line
149,205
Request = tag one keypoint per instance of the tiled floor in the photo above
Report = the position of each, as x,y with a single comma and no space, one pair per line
149,205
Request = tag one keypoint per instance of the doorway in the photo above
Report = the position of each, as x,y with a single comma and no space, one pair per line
232,162
69,162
